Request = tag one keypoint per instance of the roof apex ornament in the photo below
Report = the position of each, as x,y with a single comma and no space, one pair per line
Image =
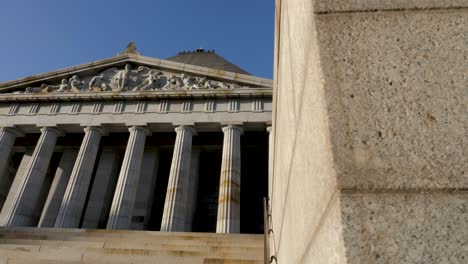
131,49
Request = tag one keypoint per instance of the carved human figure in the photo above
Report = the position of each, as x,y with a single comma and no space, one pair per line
151,82
222,85
173,82
45,88
234,86
199,83
32,90
63,86
75,83
120,79
97,83
209,85
187,80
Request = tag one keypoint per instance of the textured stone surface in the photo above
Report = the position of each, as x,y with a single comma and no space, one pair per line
406,227
396,95
304,182
368,101
366,5
112,246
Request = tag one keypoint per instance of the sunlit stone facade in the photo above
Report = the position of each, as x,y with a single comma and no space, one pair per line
135,143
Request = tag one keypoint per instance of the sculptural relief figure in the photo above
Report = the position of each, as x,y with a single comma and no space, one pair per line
75,83
234,86
98,83
63,86
200,83
151,82
32,90
222,85
209,85
45,88
187,80
140,79
173,82
120,79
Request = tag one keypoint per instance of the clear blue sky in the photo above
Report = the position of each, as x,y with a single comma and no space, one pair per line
39,36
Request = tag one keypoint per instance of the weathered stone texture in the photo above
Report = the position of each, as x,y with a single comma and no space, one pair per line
396,97
373,102
367,5
304,180
406,227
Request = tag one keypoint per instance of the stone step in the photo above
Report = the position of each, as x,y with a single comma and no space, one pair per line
37,245
93,255
124,233
246,240
138,242
50,245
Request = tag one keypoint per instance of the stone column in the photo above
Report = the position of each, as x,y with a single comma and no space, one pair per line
228,220
120,216
57,189
7,139
175,206
21,201
74,198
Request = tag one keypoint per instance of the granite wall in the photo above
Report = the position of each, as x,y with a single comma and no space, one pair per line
370,132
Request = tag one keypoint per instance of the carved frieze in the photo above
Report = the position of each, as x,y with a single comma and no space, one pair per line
128,79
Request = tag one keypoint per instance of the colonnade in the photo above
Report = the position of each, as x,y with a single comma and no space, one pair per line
65,202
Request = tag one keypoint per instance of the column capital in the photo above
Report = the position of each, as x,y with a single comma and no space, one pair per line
13,130
190,129
141,128
233,127
55,130
269,129
98,129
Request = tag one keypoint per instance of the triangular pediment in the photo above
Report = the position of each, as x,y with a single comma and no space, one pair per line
133,72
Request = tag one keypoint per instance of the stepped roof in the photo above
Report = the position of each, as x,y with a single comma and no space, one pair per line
206,58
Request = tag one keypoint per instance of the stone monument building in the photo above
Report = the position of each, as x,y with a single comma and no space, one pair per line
136,143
